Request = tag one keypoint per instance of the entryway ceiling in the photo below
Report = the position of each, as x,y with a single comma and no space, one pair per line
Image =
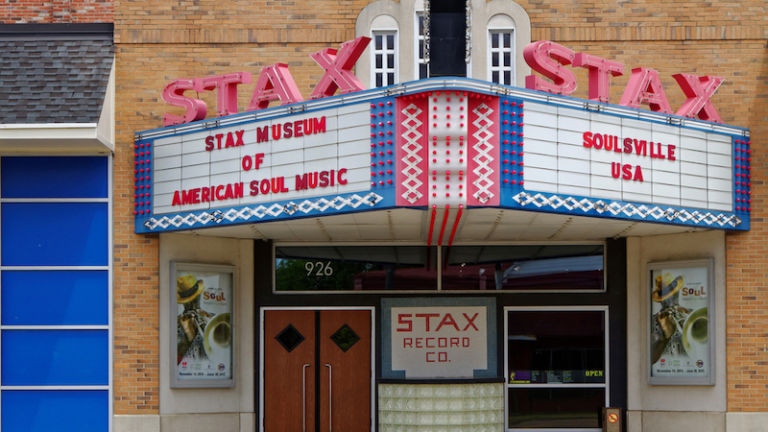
475,225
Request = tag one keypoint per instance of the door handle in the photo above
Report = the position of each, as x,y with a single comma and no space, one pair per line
304,397
330,397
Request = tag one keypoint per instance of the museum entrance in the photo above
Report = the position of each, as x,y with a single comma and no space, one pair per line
317,370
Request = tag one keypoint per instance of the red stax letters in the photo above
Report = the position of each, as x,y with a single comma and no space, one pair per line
405,322
644,88
275,83
600,72
173,93
338,68
699,90
546,57
226,89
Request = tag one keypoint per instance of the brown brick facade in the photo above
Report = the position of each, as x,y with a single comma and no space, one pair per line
160,41
56,11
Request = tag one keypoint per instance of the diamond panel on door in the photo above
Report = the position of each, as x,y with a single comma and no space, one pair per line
290,338
345,337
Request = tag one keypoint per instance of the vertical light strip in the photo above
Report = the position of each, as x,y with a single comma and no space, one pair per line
421,46
468,32
427,13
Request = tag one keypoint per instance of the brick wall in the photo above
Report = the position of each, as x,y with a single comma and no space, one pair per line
56,11
160,41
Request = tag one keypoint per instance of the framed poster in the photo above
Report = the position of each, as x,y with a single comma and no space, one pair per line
202,320
681,323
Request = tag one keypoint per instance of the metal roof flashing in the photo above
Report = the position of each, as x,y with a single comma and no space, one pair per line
56,88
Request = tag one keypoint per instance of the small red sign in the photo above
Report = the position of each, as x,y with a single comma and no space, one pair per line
613,418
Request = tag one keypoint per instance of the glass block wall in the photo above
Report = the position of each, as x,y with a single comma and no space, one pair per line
441,407
55,313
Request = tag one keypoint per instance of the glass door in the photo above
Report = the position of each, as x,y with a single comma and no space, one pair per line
556,367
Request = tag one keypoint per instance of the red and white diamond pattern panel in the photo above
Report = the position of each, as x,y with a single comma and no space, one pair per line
449,152
412,163
484,155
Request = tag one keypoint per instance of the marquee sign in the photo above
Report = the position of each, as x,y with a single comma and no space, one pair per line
443,144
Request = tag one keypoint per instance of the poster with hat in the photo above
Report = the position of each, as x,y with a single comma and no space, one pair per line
202,300
680,325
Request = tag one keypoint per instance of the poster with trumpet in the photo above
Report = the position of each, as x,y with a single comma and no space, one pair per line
202,301
681,323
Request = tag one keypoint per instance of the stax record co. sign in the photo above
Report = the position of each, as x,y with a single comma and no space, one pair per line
447,144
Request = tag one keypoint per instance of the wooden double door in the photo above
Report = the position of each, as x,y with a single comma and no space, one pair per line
317,370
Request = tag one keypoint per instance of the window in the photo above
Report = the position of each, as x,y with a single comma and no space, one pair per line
530,268
556,363
515,268
501,54
384,58
355,268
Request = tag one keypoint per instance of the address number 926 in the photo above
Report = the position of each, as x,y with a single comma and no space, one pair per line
318,268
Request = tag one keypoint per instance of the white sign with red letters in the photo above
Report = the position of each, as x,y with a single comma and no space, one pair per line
588,154
321,153
439,342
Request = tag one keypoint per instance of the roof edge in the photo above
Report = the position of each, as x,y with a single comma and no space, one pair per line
57,31
53,138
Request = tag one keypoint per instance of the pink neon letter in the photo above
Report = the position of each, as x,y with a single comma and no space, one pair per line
226,86
600,72
699,90
173,94
644,88
275,83
546,58
338,68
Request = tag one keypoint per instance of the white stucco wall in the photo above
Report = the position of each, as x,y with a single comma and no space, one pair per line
204,410
700,408
402,17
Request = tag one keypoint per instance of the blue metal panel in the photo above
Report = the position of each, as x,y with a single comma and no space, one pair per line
55,357
55,297
511,139
54,177
142,196
742,174
56,410
55,234
383,145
